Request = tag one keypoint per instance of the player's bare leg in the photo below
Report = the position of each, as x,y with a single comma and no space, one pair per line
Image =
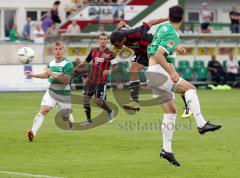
190,93
38,120
134,86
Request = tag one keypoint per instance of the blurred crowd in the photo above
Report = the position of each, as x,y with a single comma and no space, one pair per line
48,27
226,73
38,32
206,18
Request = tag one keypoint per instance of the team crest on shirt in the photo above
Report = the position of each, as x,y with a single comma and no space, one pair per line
170,44
60,69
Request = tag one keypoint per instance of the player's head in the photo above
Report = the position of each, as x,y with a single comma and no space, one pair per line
56,3
58,49
103,38
117,39
176,14
213,57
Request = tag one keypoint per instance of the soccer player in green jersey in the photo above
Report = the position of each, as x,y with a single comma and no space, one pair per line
163,79
59,73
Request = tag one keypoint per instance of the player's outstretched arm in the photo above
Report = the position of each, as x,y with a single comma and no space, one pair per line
81,67
156,21
42,75
62,79
114,68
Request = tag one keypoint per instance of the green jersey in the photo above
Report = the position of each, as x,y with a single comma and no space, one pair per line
62,68
167,38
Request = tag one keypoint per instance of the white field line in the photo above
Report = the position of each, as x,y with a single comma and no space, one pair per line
27,174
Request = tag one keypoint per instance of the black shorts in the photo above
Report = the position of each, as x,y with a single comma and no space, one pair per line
98,90
141,59
204,26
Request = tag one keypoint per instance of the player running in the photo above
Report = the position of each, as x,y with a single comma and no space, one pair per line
138,39
164,80
96,84
58,72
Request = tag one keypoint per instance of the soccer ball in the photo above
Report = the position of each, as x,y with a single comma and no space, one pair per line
25,55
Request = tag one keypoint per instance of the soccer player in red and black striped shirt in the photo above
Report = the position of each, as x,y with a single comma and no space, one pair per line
102,58
137,39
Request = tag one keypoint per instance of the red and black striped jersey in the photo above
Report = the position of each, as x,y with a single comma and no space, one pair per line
101,60
138,38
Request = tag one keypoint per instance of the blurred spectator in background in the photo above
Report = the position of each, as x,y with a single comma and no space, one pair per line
232,68
52,31
74,6
27,29
73,28
54,12
38,34
197,29
101,29
205,18
187,29
234,17
47,22
14,36
217,72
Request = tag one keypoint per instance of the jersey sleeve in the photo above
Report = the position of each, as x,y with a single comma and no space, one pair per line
68,69
89,57
137,32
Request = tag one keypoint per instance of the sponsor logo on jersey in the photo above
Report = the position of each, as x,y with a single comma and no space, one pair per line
170,44
98,59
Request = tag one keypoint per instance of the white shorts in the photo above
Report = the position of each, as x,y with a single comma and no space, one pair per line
160,82
48,100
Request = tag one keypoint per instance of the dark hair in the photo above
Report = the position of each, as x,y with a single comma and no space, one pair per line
116,36
176,13
103,34
57,3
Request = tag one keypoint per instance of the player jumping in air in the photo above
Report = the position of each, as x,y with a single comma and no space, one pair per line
58,72
138,40
163,79
96,83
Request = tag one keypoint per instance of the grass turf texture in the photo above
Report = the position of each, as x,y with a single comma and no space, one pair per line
112,151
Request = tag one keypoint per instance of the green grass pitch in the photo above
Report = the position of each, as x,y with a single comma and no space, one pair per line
112,150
